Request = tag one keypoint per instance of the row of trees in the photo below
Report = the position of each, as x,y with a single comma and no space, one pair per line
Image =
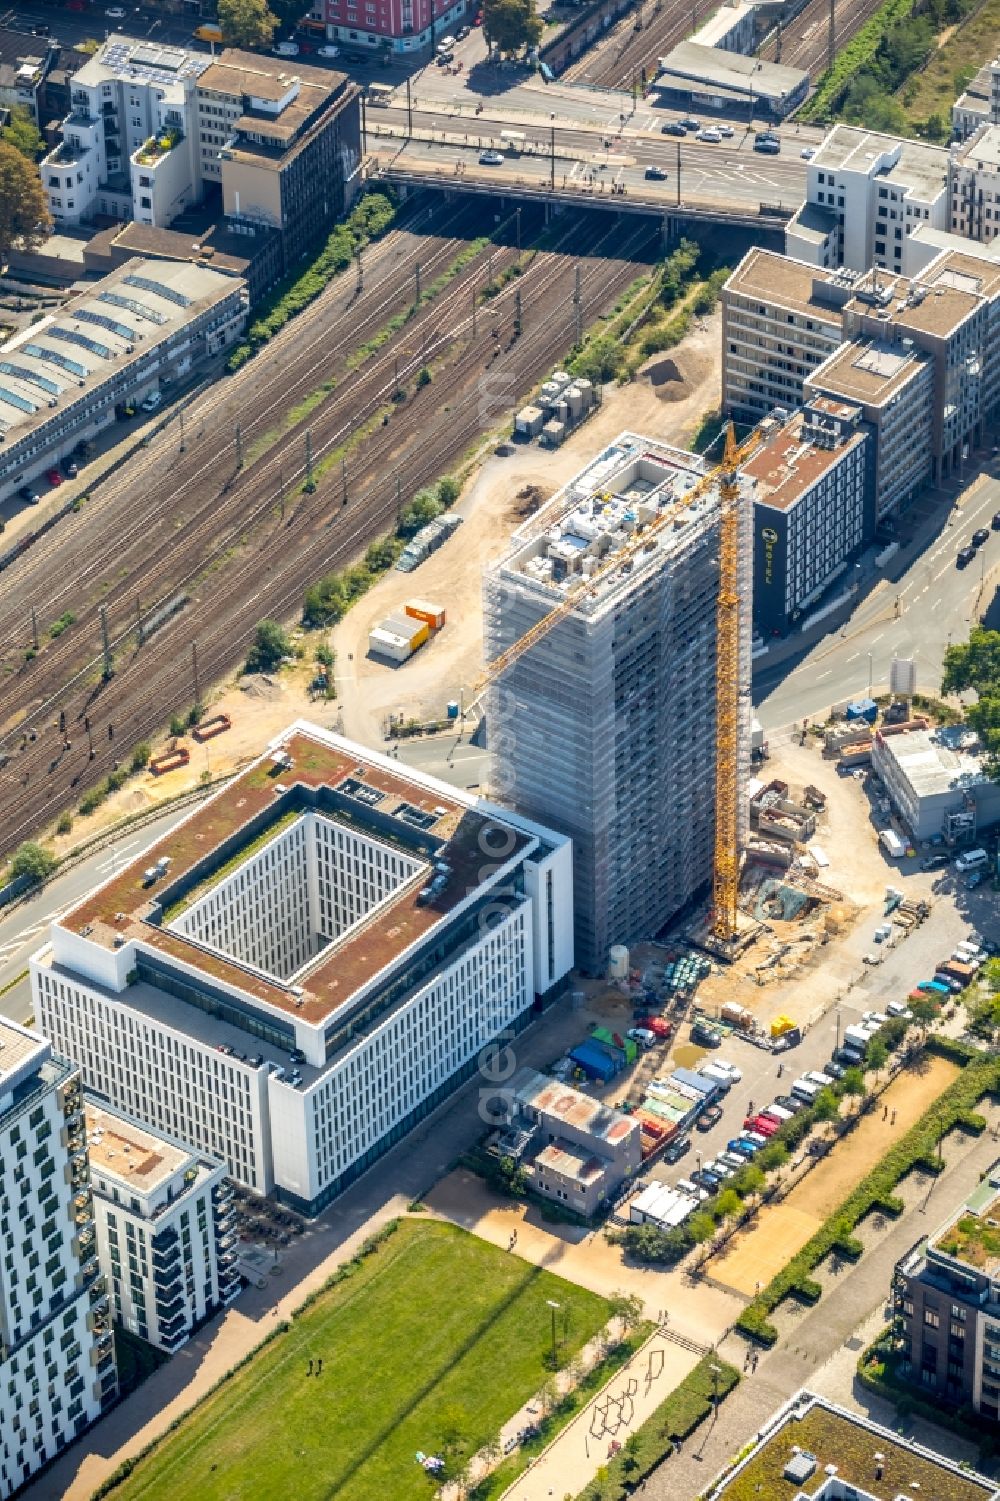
976,665
24,213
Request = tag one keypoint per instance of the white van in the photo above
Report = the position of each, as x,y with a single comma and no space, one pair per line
972,860
718,1076
780,1111
815,1077
804,1089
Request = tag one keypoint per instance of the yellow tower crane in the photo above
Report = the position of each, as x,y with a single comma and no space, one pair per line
726,475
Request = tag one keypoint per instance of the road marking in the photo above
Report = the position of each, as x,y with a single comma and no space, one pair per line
855,657
878,637
113,861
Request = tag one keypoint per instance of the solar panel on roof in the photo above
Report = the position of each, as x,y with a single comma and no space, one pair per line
133,306
122,330
22,372
38,352
147,284
71,336
12,399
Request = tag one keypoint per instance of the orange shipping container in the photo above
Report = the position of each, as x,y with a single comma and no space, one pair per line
422,609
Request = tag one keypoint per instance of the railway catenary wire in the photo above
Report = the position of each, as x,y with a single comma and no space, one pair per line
299,374
359,397
805,41
222,628
623,52
193,539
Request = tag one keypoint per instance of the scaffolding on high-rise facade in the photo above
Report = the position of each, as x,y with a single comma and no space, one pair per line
601,643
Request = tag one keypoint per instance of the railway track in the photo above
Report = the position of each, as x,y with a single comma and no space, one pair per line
268,572
805,41
618,58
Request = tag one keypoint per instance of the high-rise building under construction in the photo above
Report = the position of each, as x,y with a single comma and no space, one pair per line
605,728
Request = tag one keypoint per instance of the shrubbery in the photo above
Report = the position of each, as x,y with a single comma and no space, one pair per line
369,218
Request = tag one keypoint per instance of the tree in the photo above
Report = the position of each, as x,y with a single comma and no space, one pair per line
247,23
511,25
658,1247
33,861
749,1180
825,1106
701,1227
775,1154
853,1082
878,1055
270,644
924,1010
23,134
976,664
24,214
627,1309
728,1203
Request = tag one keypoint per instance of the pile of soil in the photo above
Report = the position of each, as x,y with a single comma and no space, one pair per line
674,376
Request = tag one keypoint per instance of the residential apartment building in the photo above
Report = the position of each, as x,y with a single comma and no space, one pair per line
166,1228
946,1299
295,1014
865,193
401,26
153,129
979,103
813,508
64,377
25,62
57,1363
605,727
975,185
780,320
128,149
283,143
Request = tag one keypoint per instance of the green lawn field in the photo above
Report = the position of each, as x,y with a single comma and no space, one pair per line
434,1343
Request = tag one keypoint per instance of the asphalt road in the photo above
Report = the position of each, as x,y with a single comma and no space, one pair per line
23,928
923,603
70,26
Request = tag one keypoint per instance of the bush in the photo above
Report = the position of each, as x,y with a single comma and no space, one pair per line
92,800
32,861
141,755
178,724
651,1246
270,644
62,624
65,823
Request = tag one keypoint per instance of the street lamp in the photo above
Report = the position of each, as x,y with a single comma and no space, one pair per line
554,1306
716,1373
869,674
758,66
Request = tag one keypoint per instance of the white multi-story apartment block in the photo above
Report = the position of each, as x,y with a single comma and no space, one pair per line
865,194
780,320
297,1013
166,1230
979,104
57,1364
128,148
975,185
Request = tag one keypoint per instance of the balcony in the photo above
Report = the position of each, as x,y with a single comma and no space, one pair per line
85,1244
90,1273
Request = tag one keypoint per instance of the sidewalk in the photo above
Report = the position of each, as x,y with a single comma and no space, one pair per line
826,1342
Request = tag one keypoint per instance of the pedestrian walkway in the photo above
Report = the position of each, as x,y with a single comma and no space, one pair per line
597,1432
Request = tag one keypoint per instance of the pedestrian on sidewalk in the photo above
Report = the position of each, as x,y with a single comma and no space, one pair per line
893,1121
310,1370
319,1368
885,1113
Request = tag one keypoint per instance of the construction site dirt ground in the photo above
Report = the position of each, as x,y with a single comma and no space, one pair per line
829,946
370,689
754,1256
699,1311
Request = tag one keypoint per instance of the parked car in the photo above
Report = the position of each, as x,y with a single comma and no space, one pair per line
807,153
726,132
836,1069
655,174
54,477
687,1187
463,32
709,135
673,128
995,523
29,495
709,1118
753,1137
328,51
69,467
767,147
490,159
677,1148
976,879
690,123
899,1010
642,1036
705,1179
151,402
761,1125
444,58
734,1073
719,1168
874,1018
286,49
115,12
965,556
936,861
788,1102
980,535
705,1036
849,1057
743,1146
445,44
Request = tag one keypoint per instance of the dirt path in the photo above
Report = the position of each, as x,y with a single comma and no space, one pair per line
781,1230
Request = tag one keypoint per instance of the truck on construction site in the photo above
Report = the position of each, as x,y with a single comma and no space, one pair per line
893,844
427,540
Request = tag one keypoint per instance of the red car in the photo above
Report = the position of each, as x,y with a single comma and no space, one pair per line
658,1025
54,477
764,1125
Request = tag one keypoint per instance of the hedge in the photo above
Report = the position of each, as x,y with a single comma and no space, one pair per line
677,1416
859,51
979,1075
370,218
